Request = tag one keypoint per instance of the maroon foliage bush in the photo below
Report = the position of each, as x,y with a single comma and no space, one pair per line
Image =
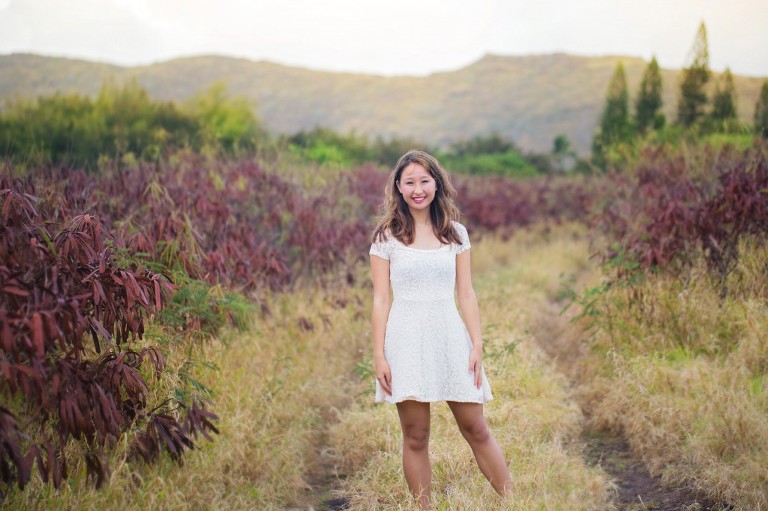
496,204
674,208
55,291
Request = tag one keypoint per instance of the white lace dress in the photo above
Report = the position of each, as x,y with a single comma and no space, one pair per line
427,344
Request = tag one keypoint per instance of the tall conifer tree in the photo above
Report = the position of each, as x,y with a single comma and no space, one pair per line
614,121
648,102
761,112
724,100
693,98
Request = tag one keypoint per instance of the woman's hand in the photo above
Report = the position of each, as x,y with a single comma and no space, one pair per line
383,375
476,365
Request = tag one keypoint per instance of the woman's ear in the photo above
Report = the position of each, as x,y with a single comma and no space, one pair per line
397,184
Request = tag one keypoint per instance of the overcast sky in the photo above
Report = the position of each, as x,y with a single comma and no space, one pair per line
414,37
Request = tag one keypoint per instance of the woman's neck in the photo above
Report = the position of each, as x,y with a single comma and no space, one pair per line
421,218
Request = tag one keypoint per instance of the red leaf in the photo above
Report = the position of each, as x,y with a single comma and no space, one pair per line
37,334
16,291
158,300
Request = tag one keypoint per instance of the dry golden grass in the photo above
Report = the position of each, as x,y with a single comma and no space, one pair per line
683,378
682,372
275,388
532,416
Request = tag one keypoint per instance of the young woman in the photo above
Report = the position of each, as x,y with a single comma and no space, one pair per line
423,350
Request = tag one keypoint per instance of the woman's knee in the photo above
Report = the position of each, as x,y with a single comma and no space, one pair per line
475,430
416,438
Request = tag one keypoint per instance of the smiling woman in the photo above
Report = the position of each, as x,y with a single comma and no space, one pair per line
424,351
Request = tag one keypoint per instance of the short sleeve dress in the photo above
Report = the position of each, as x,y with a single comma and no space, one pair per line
427,345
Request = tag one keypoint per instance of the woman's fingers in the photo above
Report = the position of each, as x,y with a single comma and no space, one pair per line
384,376
385,380
475,367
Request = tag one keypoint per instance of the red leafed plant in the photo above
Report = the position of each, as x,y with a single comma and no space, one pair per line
674,209
56,291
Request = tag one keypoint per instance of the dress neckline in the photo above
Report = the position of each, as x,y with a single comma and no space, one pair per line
442,247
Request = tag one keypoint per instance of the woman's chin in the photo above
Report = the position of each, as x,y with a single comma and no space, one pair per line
419,205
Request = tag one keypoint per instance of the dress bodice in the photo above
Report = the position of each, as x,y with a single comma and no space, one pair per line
422,274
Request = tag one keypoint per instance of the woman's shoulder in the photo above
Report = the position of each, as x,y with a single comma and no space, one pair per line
460,229
383,244
383,236
463,236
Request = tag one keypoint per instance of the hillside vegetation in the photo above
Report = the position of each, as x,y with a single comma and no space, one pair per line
529,99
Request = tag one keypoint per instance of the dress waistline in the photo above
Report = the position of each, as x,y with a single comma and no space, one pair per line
428,299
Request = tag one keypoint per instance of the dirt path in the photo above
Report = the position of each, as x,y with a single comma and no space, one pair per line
322,476
324,480
637,489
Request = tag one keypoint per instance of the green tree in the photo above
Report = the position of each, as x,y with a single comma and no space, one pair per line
724,101
129,122
693,97
563,156
226,122
648,104
614,121
490,154
483,144
561,145
54,128
761,112
323,145
387,151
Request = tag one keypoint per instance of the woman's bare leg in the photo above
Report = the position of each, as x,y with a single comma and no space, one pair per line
414,420
490,459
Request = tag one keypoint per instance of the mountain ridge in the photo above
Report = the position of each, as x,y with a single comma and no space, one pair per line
528,98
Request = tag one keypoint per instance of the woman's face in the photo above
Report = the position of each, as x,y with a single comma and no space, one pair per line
417,186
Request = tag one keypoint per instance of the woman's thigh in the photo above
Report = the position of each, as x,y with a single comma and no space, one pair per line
470,419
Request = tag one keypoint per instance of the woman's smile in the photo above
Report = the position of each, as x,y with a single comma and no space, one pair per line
417,186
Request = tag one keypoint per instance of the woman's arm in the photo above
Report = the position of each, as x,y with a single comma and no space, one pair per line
381,305
470,312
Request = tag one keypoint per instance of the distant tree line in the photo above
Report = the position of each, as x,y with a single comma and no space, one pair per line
486,154
123,122
697,113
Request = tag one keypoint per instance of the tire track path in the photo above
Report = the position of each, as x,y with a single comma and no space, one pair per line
636,488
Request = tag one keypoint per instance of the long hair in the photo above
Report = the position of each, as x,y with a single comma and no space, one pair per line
396,218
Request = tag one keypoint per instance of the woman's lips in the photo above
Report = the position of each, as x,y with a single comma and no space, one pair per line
419,200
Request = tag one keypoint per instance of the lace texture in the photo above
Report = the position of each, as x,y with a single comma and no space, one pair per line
427,345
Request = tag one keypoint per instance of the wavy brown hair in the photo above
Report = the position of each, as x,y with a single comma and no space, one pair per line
396,218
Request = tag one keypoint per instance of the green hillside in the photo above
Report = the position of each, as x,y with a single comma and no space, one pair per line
530,99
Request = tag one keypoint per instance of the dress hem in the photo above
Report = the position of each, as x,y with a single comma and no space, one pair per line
430,400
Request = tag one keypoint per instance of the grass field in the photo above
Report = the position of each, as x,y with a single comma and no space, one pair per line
682,379
294,396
